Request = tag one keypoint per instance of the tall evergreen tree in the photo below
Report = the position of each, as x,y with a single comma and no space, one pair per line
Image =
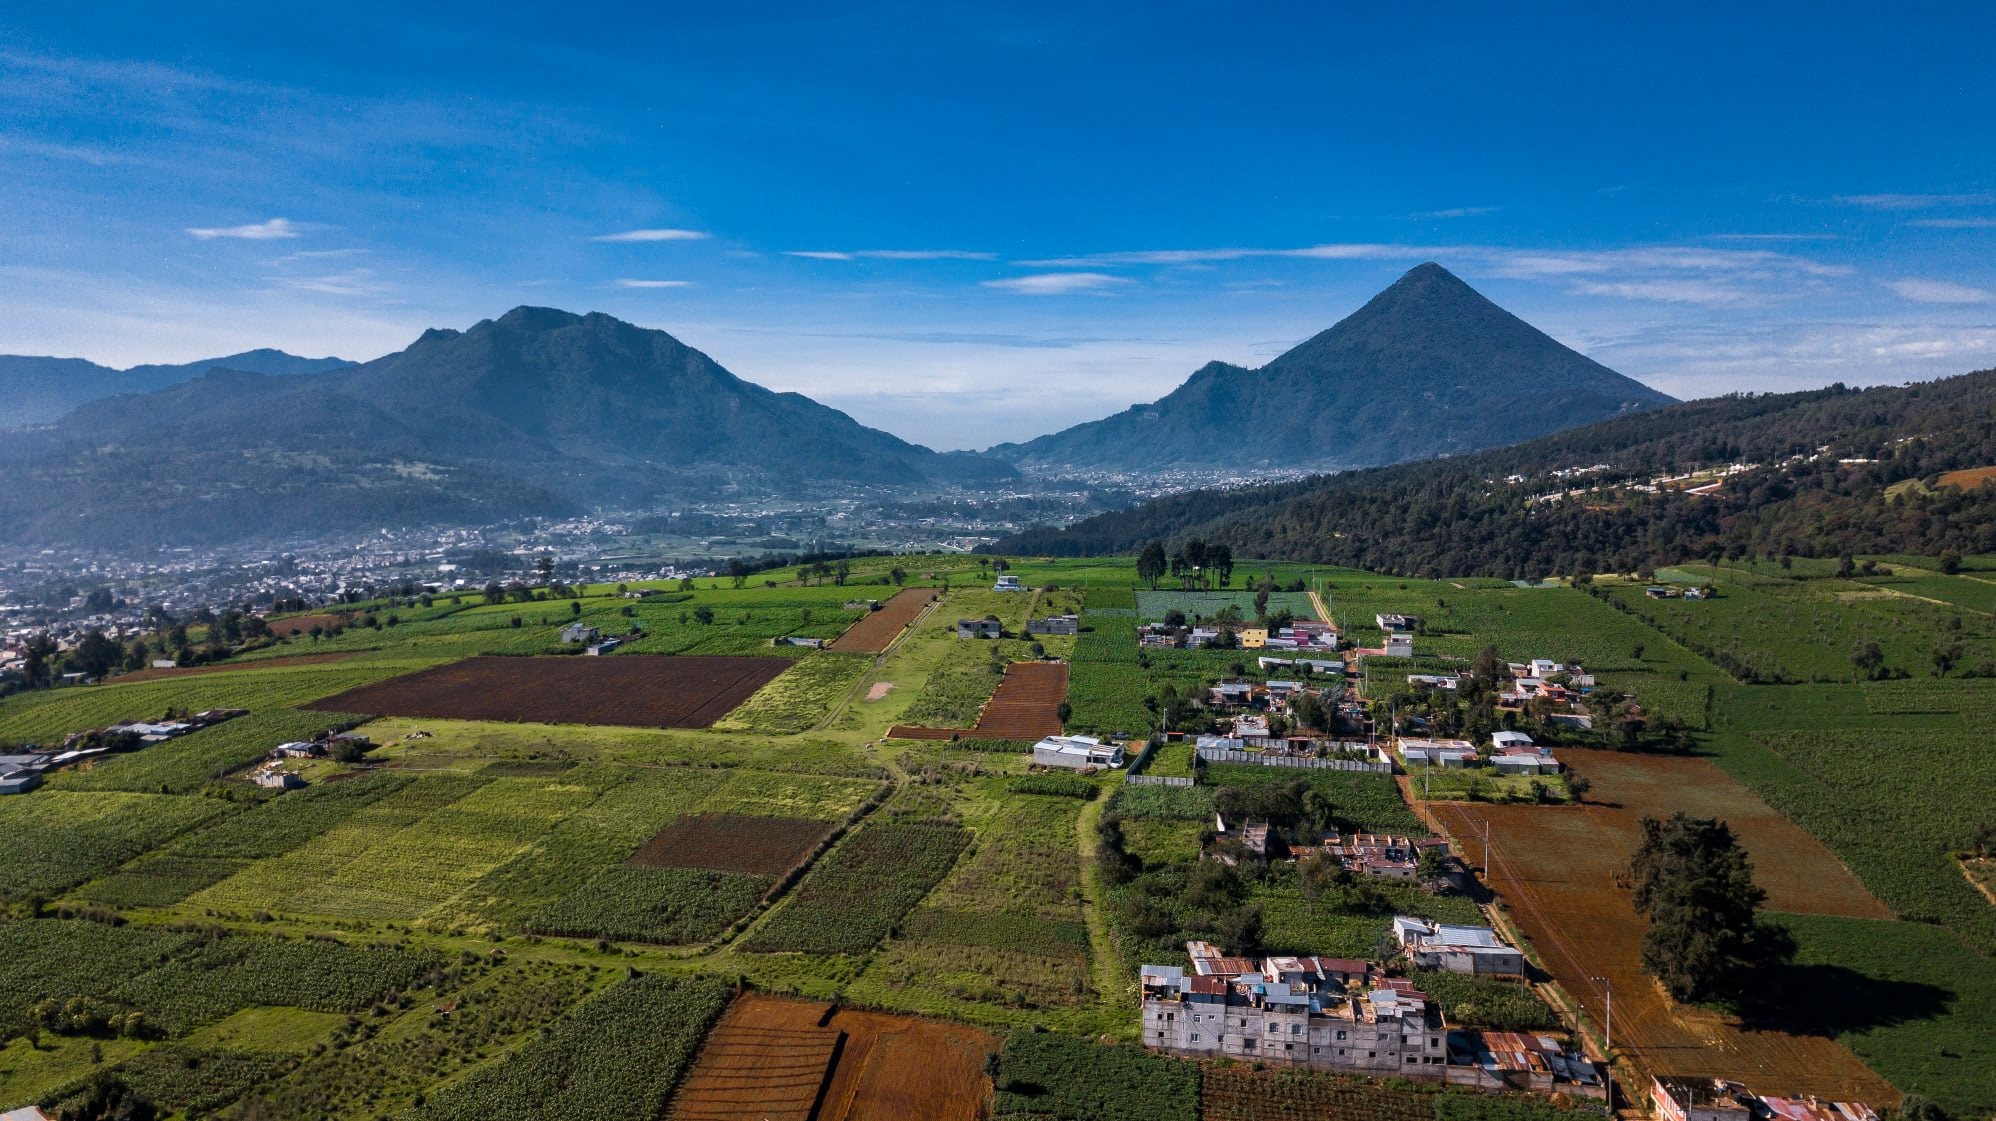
1694,883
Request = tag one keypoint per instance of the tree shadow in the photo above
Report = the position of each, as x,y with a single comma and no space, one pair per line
1830,1000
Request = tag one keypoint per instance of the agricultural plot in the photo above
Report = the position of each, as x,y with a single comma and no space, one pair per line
1893,806
1026,706
188,763
210,855
45,716
1206,606
1064,1078
787,1060
877,631
1556,869
800,698
1005,929
1237,1093
53,840
634,691
1364,800
767,846
1801,631
614,1058
171,673
662,906
859,892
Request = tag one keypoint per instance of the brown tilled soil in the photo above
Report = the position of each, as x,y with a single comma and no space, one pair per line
225,667
303,624
1557,870
637,690
777,1059
764,846
1969,478
1025,707
879,629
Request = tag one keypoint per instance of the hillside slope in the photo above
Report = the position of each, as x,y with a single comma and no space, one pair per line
1835,470
1428,367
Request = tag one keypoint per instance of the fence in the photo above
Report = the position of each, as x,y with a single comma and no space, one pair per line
1156,780
1307,762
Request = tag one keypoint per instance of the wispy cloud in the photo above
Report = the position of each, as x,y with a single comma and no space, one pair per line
353,282
629,282
1939,291
272,230
1771,237
1456,212
1706,293
1057,283
1337,252
892,254
1955,223
653,235
1915,202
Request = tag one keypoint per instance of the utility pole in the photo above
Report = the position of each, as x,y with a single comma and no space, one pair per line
1608,1032
1486,848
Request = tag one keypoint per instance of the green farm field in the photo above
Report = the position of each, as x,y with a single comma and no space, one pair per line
454,919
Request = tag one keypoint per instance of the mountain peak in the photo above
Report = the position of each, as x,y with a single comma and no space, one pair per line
1427,367
529,317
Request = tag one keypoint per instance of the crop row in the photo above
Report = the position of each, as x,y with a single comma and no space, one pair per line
616,1057
664,906
859,893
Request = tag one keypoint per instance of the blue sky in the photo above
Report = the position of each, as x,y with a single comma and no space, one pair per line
968,224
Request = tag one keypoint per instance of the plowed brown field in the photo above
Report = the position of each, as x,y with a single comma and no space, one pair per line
303,624
1026,706
763,846
638,690
789,1060
1556,869
879,629
227,667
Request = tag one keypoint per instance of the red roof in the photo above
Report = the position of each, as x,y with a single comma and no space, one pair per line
1208,986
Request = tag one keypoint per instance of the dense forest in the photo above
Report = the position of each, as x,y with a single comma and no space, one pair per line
1832,471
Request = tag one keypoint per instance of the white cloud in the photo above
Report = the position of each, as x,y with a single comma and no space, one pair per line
1915,202
892,254
1673,291
354,282
627,282
1057,283
1458,212
272,230
1939,291
653,235
1955,223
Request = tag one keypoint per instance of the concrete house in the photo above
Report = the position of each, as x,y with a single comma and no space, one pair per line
1314,1013
576,633
1399,646
1008,583
987,627
1077,752
1696,1099
1456,949
1054,624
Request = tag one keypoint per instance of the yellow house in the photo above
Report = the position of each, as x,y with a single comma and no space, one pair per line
1253,638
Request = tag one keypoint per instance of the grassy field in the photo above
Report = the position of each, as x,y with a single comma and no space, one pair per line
451,926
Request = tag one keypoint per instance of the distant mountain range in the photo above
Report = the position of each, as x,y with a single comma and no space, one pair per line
546,412
35,390
1428,367
537,412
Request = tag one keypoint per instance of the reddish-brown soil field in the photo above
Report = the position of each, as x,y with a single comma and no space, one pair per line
789,1060
225,667
303,624
1025,707
1968,479
638,690
1557,870
879,629
763,846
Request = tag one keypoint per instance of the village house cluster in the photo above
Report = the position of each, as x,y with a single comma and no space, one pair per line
1301,636
1339,1014
1709,1099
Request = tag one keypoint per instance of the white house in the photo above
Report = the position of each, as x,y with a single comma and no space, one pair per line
1400,646
1008,583
1077,752
1456,949
1502,740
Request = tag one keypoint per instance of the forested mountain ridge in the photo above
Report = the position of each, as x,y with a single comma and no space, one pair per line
1427,367
537,412
41,389
1834,471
